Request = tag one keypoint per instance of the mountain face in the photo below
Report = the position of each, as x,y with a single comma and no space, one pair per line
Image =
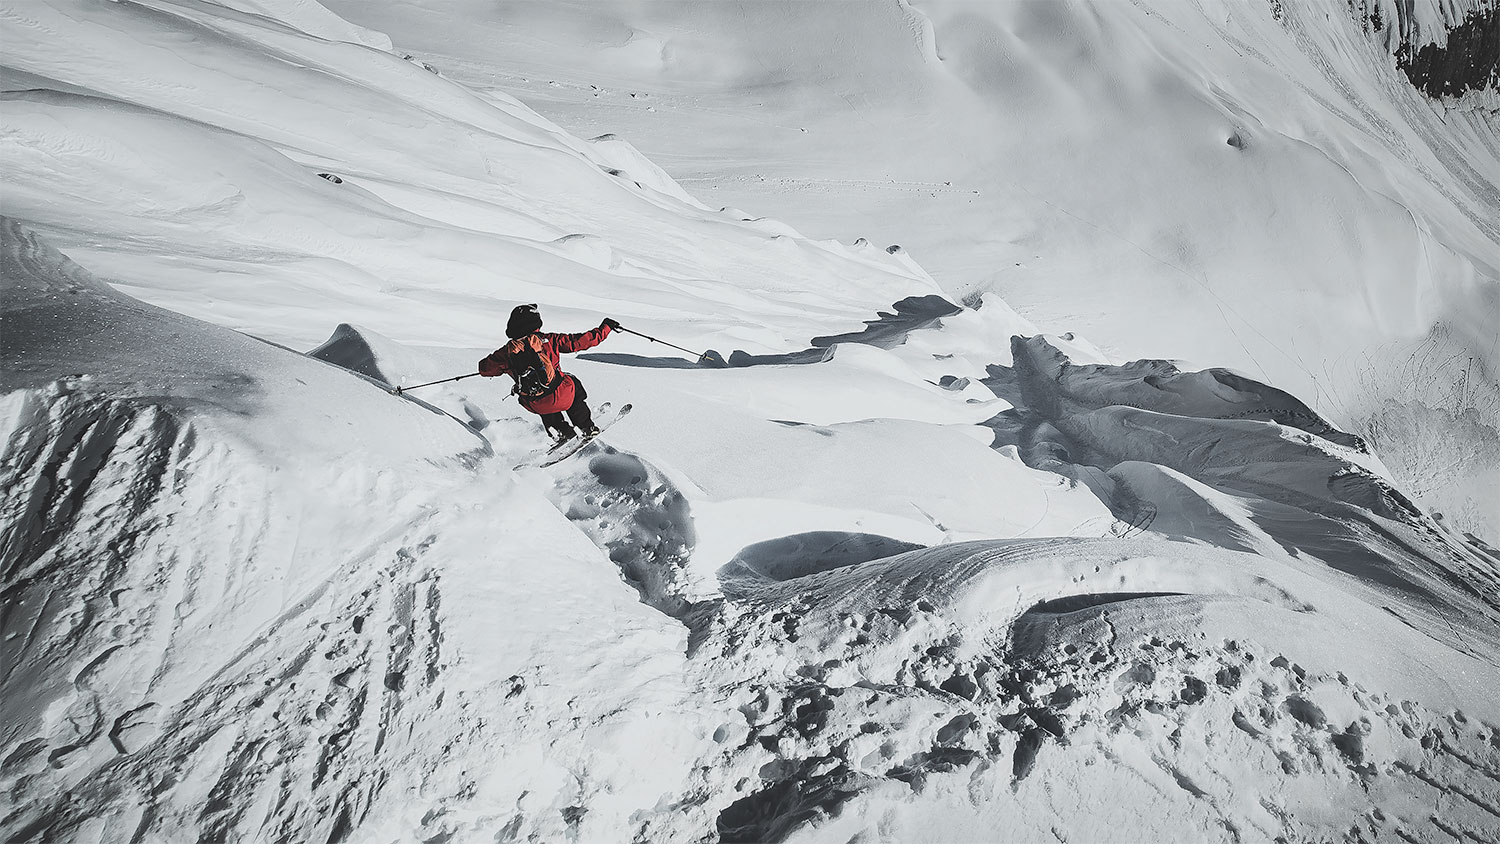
1469,61
901,569
1259,185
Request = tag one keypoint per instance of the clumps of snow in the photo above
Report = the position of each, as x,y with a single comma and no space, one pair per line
1160,386
639,518
961,682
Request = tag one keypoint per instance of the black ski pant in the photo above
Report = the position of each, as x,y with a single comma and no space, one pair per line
578,412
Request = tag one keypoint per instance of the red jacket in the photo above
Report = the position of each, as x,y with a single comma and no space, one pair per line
553,345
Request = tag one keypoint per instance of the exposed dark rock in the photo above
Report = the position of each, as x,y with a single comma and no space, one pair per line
1469,62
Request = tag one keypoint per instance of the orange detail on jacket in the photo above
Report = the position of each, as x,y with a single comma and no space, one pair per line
549,348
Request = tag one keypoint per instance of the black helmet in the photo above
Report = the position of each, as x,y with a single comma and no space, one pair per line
523,320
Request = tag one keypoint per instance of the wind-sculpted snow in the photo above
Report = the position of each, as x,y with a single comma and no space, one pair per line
943,693
1259,468
964,682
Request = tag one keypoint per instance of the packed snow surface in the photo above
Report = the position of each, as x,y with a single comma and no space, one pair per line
899,570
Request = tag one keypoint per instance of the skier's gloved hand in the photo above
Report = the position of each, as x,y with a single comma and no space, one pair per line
609,321
488,367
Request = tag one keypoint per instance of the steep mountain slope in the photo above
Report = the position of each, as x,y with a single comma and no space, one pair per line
166,158
222,615
921,574
1257,185
249,658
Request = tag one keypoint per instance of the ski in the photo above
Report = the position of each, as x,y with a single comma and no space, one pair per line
562,451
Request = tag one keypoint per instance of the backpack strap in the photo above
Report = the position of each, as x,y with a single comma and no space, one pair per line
528,362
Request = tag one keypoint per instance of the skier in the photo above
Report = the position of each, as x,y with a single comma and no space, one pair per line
531,358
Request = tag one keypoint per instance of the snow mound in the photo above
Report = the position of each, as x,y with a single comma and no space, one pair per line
618,155
1265,472
312,18
354,350
62,320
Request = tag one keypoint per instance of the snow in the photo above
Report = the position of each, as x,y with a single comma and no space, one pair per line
1252,185
898,570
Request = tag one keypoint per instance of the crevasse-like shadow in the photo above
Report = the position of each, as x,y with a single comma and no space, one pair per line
1148,439
348,348
800,555
886,331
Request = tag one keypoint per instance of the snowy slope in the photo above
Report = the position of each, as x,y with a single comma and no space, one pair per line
901,571
1255,185
181,143
252,655
221,613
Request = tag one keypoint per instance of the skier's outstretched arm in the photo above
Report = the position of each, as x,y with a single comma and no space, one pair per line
568,343
492,364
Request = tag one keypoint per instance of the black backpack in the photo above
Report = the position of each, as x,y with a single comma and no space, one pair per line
534,373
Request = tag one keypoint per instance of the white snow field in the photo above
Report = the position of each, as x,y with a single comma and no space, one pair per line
1242,183
900,570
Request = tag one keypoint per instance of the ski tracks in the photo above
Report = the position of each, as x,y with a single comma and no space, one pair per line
145,542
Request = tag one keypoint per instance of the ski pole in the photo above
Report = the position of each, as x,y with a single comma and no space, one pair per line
702,356
399,390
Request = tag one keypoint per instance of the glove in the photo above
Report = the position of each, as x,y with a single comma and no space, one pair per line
488,368
611,323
